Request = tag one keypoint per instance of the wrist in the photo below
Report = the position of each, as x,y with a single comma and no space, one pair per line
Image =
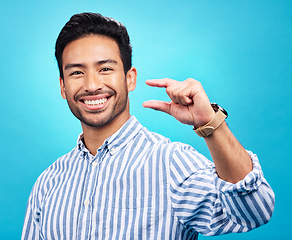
219,115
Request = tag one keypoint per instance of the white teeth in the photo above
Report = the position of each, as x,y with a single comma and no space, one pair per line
95,102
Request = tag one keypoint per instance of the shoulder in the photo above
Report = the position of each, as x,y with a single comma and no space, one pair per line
47,178
175,151
61,163
154,138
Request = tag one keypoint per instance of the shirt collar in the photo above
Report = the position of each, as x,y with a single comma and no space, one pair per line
80,143
119,139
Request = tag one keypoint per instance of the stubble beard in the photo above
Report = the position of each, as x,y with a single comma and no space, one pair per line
103,117
100,118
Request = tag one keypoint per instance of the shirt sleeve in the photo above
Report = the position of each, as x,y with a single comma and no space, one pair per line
30,229
203,202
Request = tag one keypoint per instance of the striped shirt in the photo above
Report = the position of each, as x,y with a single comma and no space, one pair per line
139,185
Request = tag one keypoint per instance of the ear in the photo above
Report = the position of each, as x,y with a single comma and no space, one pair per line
131,79
62,86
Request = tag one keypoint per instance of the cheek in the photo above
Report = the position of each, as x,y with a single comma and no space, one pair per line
72,88
117,83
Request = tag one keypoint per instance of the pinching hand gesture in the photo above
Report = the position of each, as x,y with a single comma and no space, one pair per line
189,103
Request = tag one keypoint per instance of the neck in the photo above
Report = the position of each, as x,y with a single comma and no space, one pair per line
94,137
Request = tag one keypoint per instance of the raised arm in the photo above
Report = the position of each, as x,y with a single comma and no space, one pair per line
190,105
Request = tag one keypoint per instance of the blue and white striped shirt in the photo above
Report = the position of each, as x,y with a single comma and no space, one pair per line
139,185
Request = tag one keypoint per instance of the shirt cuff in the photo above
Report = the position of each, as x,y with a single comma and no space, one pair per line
250,183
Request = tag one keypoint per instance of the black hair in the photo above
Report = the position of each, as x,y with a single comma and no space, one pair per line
84,24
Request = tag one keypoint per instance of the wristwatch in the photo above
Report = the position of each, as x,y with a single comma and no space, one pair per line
211,126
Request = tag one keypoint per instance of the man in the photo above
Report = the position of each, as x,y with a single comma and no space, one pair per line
122,181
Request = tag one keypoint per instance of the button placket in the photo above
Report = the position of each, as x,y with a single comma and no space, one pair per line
88,192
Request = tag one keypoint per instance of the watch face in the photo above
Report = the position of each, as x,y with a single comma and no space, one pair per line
216,107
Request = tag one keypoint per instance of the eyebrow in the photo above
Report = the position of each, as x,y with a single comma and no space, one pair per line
80,65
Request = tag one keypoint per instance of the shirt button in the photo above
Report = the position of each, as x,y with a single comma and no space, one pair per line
113,150
94,163
86,202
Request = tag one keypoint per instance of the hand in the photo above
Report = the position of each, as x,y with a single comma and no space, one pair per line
189,102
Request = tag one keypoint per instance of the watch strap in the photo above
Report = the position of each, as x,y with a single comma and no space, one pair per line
211,126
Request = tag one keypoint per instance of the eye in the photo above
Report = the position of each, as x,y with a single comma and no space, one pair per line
105,69
75,73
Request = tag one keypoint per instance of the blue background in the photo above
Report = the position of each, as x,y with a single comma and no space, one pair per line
240,51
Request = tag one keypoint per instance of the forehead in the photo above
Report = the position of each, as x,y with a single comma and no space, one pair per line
91,48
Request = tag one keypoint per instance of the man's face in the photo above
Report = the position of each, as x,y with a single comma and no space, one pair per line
94,83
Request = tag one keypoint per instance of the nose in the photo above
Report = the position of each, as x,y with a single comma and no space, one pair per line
92,82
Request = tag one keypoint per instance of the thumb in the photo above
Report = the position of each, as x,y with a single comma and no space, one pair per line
158,105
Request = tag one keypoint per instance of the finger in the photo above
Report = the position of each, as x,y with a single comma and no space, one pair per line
179,94
185,100
158,105
165,82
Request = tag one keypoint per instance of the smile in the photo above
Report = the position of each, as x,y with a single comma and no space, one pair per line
95,102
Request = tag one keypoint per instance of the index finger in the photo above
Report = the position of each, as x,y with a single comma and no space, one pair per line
165,82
